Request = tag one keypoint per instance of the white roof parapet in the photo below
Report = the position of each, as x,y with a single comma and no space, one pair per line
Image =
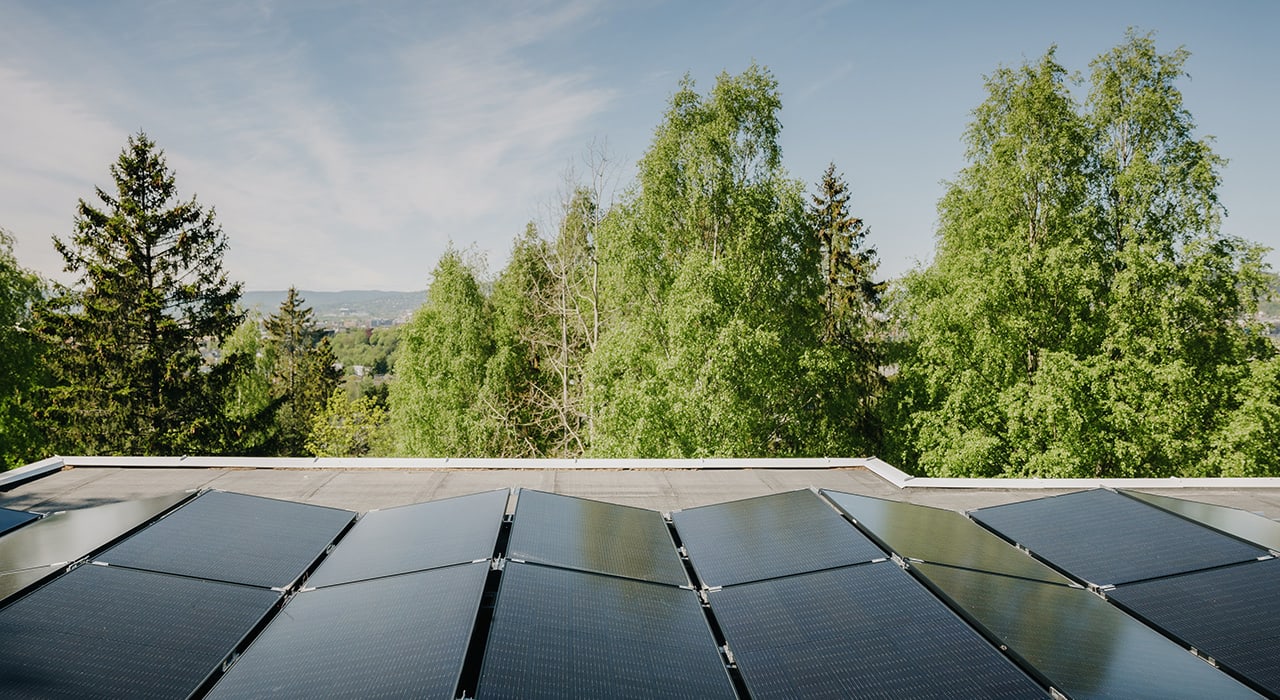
31,471
457,463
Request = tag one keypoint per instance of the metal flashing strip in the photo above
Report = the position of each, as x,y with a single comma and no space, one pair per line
452,463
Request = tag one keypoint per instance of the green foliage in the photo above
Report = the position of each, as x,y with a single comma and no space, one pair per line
250,401
21,372
128,374
348,427
1083,315
303,375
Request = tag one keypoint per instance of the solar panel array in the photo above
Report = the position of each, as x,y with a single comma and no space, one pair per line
790,595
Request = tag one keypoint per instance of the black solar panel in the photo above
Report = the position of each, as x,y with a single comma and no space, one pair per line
778,535
398,636
1104,538
1082,645
106,632
942,536
232,537
1231,614
1233,521
587,535
416,537
69,536
11,519
859,631
566,634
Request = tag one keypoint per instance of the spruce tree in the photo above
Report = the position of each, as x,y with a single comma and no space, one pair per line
149,294
304,376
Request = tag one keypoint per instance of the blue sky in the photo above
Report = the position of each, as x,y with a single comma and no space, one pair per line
344,144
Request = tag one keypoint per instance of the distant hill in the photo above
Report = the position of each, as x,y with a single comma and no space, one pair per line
338,308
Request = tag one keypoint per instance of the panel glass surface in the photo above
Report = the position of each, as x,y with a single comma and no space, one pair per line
1231,614
861,631
416,537
567,634
12,519
105,632
1233,521
942,536
1081,644
1104,538
768,536
236,538
69,536
578,533
398,636
16,581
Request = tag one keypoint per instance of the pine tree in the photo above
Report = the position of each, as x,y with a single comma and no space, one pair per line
149,293
304,376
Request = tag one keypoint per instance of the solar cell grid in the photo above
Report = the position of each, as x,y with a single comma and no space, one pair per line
112,633
860,631
414,538
587,535
1229,614
559,633
1104,538
1251,527
768,536
236,538
1082,645
398,636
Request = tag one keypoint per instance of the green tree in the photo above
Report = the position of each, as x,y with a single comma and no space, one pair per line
304,374
249,399
149,291
348,427
21,372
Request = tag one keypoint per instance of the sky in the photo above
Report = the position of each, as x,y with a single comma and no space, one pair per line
345,145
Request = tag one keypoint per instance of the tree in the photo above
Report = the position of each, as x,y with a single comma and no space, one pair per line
21,373
149,291
348,428
1083,314
303,376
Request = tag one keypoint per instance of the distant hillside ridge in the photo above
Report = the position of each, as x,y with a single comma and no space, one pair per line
352,305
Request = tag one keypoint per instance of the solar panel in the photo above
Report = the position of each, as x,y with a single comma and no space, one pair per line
69,536
1233,521
397,636
859,631
1104,538
941,536
1229,614
1082,645
577,533
236,538
559,633
416,537
106,632
777,535
15,582
12,519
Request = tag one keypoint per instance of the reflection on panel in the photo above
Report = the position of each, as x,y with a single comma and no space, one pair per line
232,537
1081,644
105,632
567,634
397,636
74,534
587,535
1233,521
1104,538
12,519
1231,614
859,631
415,537
15,582
941,536
777,535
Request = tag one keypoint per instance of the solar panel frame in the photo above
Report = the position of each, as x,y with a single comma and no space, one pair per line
768,536
866,631
916,532
111,632
1229,614
1074,640
587,535
415,538
222,536
564,633
1105,539
404,635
